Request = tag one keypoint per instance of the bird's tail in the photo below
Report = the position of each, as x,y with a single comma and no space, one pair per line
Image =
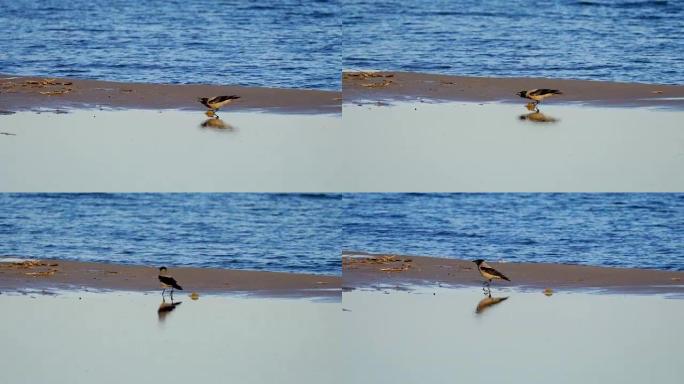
178,287
505,278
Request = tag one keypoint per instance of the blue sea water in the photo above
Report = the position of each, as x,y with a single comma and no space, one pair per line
616,40
306,43
276,43
274,232
307,232
621,230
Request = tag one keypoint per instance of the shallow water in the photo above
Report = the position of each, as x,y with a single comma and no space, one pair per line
121,337
628,40
610,230
272,232
280,43
415,336
169,151
469,147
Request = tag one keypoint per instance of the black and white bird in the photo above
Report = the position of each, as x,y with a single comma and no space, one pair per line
216,102
168,282
488,272
538,94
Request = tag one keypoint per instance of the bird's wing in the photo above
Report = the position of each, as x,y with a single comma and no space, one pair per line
170,281
544,91
219,99
494,272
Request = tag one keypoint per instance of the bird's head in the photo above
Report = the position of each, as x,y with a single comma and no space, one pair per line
522,93
478,261
162,269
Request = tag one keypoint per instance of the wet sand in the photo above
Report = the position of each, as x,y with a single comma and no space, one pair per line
20,93
367,270
59,274
379,86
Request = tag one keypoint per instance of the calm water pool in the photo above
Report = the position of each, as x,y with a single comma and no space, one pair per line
436,335
470,147
170,151
114,337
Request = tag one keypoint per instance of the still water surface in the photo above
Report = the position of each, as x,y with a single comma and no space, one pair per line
82,337
436,335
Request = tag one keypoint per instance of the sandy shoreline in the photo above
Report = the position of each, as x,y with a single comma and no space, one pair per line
60,274
366,270
384,86
20,93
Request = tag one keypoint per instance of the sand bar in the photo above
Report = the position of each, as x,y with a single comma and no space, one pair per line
366,270
379,86
25,93
59,274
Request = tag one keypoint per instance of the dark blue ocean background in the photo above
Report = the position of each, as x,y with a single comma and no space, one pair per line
306,233
292,233
277,43
621,40
620,230
305,44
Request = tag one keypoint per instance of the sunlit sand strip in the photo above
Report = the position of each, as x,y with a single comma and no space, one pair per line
59,274
366,270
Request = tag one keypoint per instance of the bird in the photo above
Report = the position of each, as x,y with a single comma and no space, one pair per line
489,273
538,94
167,282
216,102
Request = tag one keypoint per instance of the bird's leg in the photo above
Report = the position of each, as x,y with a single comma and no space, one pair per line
163,290
171,294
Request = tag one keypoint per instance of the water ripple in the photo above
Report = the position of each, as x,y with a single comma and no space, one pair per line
635,41
283,43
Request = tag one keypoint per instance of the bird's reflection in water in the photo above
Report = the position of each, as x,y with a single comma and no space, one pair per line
488,302
216,123
536,116
166,308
